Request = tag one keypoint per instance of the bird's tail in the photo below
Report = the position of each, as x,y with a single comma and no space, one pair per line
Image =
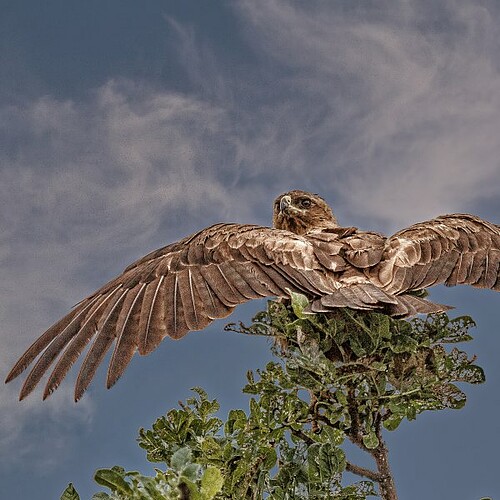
366,296
409,305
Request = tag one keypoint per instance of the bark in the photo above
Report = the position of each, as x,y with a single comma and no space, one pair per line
386,480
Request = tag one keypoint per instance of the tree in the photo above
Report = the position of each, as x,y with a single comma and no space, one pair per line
343,376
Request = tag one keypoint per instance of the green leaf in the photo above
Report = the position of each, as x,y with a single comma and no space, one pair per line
331,459
180,459
201,393
384,326
411,412
299,303
331,435
334,371
211,482
70,493
236,420
371,441
103,496
392,422
151,486
239,472
357,346
270,460
191,472
377,365
453,397
113,479
194,492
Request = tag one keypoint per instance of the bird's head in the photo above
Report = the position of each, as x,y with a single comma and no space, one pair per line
301,212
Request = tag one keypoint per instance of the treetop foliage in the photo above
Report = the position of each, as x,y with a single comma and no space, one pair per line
337,377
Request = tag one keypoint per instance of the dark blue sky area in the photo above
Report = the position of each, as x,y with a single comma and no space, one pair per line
70,47
127,125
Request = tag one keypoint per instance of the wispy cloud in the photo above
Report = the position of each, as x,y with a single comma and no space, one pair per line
392,113
29,429
86,187
407,98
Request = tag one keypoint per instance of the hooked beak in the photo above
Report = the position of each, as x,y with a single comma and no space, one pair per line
285,203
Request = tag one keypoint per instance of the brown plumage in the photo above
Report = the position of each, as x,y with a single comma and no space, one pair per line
186,285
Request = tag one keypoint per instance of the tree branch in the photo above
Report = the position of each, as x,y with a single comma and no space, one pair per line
361,471
386,480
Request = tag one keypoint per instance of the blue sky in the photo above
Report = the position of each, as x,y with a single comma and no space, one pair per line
126,125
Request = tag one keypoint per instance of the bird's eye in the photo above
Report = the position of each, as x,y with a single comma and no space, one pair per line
305,203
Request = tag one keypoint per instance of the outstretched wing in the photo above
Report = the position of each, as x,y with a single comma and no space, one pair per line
179,288
458,249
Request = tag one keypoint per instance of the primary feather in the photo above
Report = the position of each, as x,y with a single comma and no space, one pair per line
186,285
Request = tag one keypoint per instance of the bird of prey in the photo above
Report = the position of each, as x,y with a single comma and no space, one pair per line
186,285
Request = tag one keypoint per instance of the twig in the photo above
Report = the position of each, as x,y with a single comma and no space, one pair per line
361,471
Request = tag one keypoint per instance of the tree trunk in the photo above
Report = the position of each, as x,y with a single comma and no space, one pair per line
386,480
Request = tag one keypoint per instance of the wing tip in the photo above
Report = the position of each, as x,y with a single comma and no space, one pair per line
17,369
78,394
111,380
11,376
26,390
81,386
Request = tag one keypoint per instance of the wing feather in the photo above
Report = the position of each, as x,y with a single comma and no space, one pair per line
492,273
174,308
275,277
214,307
127,334
235,273
100,346
186,285
452,249
425,252
56,346
148,302
221,286
153,316
195,315
74,349
178,288
250,282
303,282
419,275
465,263
69,321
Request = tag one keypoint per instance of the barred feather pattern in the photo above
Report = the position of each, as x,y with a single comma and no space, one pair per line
458,249
186,285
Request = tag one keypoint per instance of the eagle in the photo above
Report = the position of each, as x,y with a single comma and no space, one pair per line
186,285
